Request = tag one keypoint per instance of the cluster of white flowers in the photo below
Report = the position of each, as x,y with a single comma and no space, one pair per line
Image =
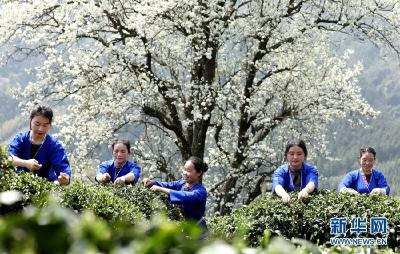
228,80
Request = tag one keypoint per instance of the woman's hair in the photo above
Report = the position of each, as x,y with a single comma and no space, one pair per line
122,141
199,164
297,142
39,110
367,149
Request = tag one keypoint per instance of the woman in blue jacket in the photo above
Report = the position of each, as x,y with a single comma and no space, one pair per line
119,170
38,152
366,179
189,193
296,174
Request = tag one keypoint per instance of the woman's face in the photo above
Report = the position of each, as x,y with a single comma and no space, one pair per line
367,161
295,157
120,153
189,173
40,125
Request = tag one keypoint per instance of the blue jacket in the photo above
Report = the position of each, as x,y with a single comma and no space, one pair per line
192,201
355,181
282,176
129,167
51,155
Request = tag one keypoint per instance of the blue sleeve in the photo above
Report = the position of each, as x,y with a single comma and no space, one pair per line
135,169
59,161
278,178
178,197
15,146
103,168
382,183
174,185
312,176
346,182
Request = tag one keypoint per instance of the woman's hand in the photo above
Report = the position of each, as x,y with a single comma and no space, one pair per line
147,182
119,180
32,165
155,188
303,195
103,178
377,191
285,198
63,179
280,191
349,190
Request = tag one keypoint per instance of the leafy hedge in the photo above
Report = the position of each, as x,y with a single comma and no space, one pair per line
308,221
54,229
125,206
148,202
112,203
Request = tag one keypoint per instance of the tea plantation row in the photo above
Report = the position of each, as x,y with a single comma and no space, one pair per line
85,217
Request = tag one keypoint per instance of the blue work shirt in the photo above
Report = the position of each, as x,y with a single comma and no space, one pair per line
354,180
128,167
192,201
51,155
282,176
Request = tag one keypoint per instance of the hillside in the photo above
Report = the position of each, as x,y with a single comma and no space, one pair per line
380,86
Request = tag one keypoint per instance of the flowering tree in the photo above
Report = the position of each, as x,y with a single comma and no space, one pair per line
230,81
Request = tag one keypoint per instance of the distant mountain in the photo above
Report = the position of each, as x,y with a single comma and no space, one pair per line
13,78
10,119
380,86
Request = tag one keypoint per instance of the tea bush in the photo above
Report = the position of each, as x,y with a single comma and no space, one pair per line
309,220
81,196
107,201
125,206
148,202
54,229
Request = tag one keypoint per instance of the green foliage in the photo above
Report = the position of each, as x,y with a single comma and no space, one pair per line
105,219
107,201
309,221
55,229
148,202
5,163
34,189
39,232
81,196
